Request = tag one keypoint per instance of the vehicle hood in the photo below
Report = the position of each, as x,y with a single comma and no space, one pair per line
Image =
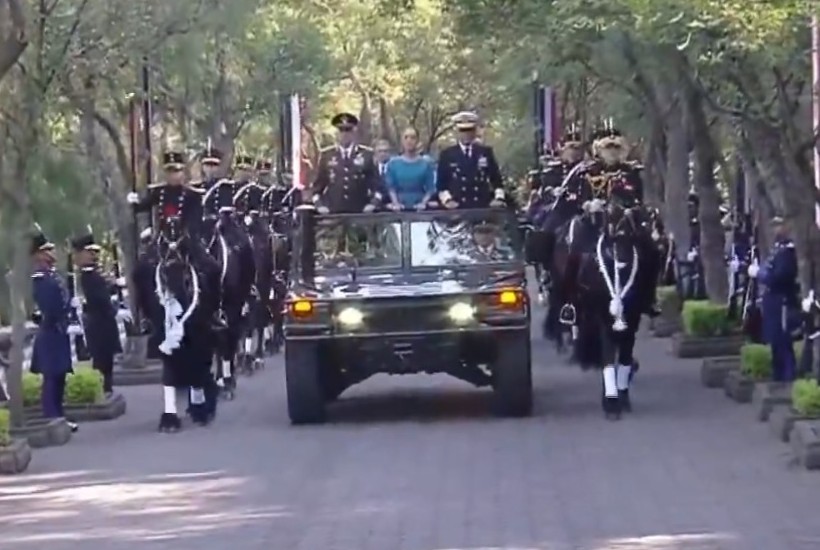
443,282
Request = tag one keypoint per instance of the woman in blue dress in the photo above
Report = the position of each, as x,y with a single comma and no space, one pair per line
410,177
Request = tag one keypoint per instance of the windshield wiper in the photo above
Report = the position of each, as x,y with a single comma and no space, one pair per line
501,279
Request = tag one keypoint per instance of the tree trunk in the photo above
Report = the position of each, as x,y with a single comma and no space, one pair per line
712,237
676,188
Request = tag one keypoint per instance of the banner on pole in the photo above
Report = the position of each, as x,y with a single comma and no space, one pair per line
296,140
548,118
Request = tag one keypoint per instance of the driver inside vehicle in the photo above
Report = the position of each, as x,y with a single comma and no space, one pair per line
485,238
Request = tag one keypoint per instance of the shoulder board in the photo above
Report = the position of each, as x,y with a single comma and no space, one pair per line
636,165
554,163
87,269
788,244
157,185
224,180
365,147
195,189
326,149
197,182
38,275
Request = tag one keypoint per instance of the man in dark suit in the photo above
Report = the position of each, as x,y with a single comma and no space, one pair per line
51,353
99,314
347,180
468,174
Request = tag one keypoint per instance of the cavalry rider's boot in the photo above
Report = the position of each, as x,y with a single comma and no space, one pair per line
623,377
169,423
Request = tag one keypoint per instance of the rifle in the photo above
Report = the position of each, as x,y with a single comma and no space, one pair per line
806,365
751,319
76,313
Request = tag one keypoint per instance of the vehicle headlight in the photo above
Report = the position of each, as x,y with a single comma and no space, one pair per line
350,317
461,312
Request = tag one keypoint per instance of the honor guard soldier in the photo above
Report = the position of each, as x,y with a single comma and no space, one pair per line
347,180
780,301
175,202
51,353
563,178
468,175
248,197
99,314
275,193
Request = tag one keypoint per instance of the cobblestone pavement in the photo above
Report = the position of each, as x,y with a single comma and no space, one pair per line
419,464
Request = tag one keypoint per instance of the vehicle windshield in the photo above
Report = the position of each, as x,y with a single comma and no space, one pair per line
442,242
359,244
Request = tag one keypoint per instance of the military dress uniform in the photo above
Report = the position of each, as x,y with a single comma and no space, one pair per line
51,351
779,305
99,316
468,173
182,203
347,180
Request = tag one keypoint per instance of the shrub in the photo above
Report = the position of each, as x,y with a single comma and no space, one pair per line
32,387
5,428
669,300
704,318
84,387
756,361
806,397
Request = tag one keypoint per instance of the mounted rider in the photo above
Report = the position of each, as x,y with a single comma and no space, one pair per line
614,180
468,175
347,179
175,205
248,201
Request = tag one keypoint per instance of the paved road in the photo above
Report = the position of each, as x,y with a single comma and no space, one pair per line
418,464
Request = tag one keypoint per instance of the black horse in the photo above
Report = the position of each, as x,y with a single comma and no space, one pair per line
606,273
258,317
232,248
181,309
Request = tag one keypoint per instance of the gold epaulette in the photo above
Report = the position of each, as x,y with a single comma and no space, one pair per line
195,189
197,182
365,147
157,185
224,180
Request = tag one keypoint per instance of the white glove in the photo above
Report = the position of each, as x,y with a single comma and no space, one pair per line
248,221
734,265
557,191
121,282
132,198
394,207
655,235
323,210
807,302
421,206
124,315
691,255
369,208
74,330
753,270
76,302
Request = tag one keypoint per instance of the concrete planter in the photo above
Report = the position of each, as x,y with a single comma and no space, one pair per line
686,346
148,374
113,407
44,432
805,443
664,327
15,458
739,387
713,370
782,419
768,395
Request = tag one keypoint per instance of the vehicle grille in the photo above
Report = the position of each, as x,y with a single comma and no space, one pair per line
403,315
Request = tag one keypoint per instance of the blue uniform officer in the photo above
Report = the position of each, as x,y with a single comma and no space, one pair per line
51,353
779,301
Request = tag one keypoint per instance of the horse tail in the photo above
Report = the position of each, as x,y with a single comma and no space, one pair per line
588,349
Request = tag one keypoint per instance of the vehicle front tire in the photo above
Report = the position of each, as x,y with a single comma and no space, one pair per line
306,402
512,376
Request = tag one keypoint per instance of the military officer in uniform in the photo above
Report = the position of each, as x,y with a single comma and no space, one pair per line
248,197
347,179
51,353
468,175
780,301
216,189
177,202
99,314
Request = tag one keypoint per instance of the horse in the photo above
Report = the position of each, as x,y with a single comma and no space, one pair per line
258,318
280,228
232,249
605,259
665,247
181,310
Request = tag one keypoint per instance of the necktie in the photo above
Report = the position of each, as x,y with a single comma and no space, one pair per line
469,151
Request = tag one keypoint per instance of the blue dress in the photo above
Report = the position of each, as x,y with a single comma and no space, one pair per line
410,179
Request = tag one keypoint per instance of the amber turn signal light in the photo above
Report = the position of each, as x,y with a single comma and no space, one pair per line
509,298
302,308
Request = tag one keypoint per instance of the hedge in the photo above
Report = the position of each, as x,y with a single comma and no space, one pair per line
5,428
704,318
83,387
756,361
806,397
